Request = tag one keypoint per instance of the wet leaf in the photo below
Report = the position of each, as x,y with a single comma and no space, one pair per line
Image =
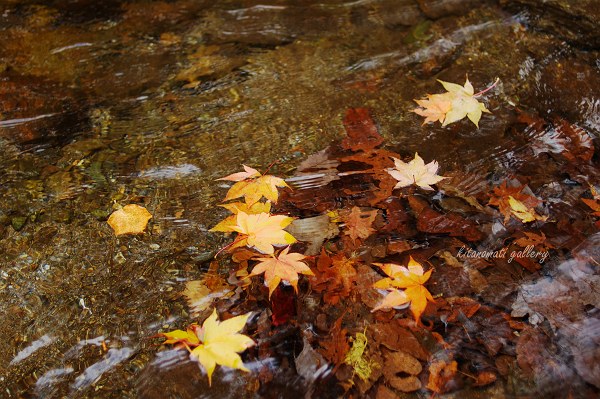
226,225
282,267
441,375
401,371
405,285
522,212
415,172
334,277
359,222
221,343
182,339
431,221
248,173
253,186
501,197
131,219
262,231
452,106
361,130
335,346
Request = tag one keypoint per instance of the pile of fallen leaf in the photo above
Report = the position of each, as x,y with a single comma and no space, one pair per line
362,282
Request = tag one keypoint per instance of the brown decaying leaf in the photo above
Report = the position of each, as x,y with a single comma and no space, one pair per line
335,346
359,222
131,219
402,363
361,130
334,277
430,221
501,195
441,376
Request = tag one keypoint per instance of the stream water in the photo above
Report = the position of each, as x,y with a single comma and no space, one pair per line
106,103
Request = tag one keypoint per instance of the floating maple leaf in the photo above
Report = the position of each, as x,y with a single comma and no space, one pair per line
358,223
248,173
131,219
253,186
226,225
409,279
283,267
415,172
214,343
262,231
454,105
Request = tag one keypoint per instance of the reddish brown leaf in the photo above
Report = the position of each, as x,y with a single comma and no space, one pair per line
361,130
441,376
334,277
335,346
283,306
359,222
430,221
501,195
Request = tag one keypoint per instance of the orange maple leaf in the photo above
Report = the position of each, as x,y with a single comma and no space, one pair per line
262,231
283,267
335,277
411,281
358,223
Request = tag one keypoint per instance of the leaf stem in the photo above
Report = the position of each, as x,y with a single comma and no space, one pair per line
488,89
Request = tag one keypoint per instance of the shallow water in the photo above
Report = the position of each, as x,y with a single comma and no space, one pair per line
108,103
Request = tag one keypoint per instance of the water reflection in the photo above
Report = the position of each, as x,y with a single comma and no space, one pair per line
115,102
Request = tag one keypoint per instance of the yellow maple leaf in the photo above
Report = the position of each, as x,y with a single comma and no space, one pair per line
131,219
262,231
415,172
180,338
411,280
283,267
524,214
452,106
434,108
256,188
226,225
221,343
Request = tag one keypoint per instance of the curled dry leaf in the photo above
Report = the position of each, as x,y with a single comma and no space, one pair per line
262,231
410,280
283,267
131,219
415,172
